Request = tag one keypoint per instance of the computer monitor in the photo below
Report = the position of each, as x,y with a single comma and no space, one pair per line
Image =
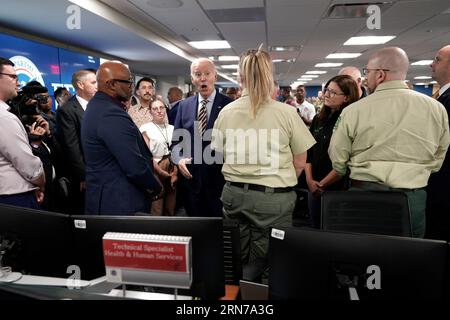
310,264
207,245
36,242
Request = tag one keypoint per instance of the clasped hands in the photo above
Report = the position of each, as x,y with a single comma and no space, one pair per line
315,187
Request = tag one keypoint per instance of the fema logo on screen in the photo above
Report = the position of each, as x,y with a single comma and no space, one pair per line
26,70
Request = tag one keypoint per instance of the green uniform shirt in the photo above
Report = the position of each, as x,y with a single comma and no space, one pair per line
395,136
260,151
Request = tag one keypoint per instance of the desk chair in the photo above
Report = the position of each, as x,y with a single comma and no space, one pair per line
377,212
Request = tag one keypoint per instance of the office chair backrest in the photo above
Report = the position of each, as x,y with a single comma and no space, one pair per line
232,252
377,212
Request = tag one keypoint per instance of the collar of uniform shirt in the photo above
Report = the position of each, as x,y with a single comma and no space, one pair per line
394,84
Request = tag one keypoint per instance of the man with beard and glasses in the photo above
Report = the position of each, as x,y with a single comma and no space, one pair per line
140,112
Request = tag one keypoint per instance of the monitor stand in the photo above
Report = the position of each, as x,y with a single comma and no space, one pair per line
345,282
7,276
353,293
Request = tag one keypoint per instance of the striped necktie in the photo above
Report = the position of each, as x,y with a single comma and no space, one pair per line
435,95
202,117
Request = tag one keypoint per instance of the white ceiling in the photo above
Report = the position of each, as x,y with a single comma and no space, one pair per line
153,39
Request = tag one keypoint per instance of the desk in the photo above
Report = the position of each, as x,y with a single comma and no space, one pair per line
145,295
48,288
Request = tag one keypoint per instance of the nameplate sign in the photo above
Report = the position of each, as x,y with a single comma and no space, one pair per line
146,259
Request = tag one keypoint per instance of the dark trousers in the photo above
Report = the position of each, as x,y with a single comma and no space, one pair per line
76,198
315,210
26,200
438,207
257,212
202,203
416,198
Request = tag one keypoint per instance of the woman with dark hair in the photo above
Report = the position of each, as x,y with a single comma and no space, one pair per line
340,91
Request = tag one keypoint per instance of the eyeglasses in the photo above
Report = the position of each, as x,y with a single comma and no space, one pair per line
332,93
160,108
12,76
366,70
128,82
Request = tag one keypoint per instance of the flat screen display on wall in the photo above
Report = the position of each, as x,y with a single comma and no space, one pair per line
51,66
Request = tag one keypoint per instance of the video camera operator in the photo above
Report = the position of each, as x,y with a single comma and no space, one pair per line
39,120
21,173
43,102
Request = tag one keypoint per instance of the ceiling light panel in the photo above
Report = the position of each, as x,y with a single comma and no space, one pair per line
210,44
284,48
228,58
368,40
422,63
230,66
328,64
342,55
315,72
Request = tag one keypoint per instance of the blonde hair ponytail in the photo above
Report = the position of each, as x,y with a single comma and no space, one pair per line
255,69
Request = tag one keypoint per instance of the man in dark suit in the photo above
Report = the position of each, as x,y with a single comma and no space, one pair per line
202,181
119,165
174,96
438,190
68,127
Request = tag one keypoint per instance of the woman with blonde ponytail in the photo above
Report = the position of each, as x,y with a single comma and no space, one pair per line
264,144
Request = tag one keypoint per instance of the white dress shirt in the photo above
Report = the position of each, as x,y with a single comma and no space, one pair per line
209,105
83,102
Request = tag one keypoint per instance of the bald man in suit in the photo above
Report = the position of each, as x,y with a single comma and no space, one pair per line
119,165
438,202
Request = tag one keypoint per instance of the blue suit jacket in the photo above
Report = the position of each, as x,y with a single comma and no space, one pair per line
438,200
445,100
172,114
207,182
119,165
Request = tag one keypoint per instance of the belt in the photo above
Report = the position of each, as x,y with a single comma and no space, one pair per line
257,187
362,184
377,186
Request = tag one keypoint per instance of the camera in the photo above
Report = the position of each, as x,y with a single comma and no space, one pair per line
21,105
